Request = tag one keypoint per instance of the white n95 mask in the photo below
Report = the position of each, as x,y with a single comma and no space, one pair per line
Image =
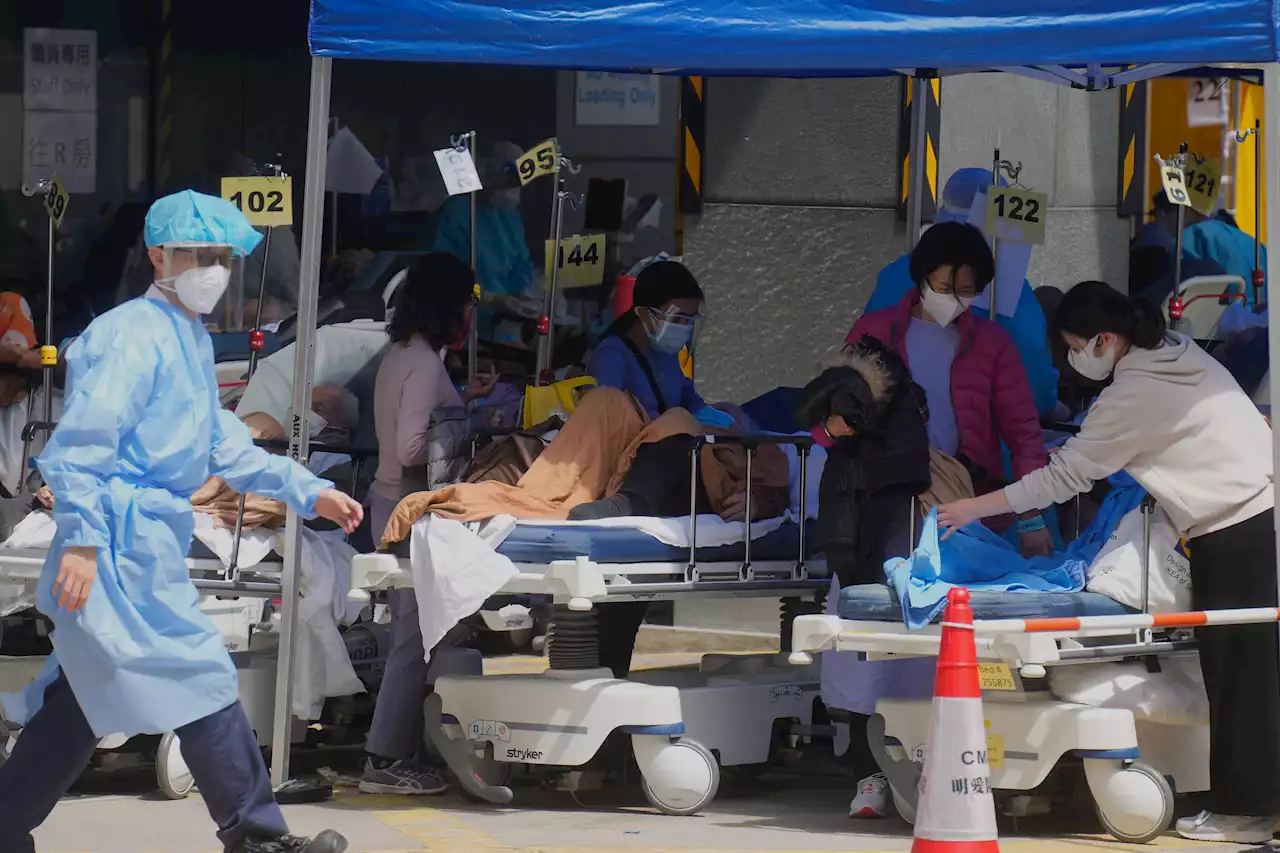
199,288
943,308
1090,365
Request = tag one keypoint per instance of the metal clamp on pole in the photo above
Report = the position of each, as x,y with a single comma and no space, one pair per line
695,446
55,207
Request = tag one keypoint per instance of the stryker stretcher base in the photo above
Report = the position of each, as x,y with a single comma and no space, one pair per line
1132,766
684,723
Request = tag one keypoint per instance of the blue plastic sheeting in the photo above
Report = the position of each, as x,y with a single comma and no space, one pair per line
815,38
879,603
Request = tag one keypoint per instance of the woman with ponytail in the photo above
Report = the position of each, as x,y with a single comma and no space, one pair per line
1176,420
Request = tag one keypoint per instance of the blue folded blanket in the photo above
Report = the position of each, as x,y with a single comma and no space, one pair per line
977,558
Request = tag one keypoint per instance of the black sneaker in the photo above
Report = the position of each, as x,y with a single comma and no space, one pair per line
326,842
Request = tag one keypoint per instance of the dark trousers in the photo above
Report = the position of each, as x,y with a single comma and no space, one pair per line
1236,567
658,484
54,749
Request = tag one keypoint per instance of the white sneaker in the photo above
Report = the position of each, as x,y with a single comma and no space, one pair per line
1235,829
873,798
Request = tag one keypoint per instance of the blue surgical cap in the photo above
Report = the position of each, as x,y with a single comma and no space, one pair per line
962,188
192,217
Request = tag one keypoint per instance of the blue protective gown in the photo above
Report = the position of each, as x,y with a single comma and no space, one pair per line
1231,248
502,256
141,431
1026,327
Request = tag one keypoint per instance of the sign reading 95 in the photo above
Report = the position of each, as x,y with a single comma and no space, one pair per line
55,202
581,261
541,159
264,201
1016,215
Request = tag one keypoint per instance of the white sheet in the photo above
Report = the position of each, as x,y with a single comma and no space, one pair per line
454,570
1174,696
713,531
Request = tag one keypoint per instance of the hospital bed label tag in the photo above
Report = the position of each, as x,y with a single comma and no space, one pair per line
264,201
1017,215
1175,183
55,202
581,261
541,159
458,170
1202,179
995,748
995,676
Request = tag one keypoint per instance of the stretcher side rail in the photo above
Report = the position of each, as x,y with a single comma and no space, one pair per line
22,567
750,444
580,583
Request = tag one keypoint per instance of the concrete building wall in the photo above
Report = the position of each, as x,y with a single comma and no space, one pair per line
799,187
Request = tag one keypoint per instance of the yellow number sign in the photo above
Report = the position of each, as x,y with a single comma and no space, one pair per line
1016,215
1202,179
541,159
995,676
55,202
581,261
264,201
1175,184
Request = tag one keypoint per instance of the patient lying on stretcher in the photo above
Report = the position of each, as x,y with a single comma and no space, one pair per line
610,460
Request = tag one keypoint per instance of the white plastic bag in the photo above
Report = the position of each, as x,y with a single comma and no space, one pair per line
1117,570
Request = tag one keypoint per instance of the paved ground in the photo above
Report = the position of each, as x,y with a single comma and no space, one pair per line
782,813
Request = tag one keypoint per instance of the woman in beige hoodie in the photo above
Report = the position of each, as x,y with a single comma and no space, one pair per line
1177,421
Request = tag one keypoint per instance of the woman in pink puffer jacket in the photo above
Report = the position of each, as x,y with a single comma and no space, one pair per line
974,381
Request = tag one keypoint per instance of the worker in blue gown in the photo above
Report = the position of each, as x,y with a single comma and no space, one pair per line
1026,326
141,431
503,264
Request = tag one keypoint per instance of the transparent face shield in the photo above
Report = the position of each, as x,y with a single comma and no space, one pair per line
671,331
207,278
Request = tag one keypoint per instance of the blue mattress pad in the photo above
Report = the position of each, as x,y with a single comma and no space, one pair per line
879,603
542,544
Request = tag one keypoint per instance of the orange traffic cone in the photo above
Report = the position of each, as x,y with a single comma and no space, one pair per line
956,813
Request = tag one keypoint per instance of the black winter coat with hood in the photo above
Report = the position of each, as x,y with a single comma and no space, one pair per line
869,477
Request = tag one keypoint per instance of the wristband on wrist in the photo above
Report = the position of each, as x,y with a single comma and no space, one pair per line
1031,525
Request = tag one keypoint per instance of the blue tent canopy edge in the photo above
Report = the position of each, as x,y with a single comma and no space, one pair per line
810,38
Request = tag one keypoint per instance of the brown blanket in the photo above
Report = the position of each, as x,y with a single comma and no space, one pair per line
217,499
589,459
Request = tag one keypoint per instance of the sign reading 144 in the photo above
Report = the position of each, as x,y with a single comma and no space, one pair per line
581,261
264,201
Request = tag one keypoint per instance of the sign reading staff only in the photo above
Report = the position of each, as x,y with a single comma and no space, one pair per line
581,261
265,201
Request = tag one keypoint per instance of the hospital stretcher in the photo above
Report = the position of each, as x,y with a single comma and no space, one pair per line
1132,766
683,723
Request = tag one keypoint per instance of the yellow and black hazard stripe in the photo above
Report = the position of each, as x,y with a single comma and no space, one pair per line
932,130
693,137
1131,174
164,111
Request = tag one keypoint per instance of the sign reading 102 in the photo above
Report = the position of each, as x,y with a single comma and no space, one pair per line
264,201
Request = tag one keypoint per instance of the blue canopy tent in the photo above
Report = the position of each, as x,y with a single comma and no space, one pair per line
1086,44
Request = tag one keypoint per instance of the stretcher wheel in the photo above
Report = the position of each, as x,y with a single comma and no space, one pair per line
1135,804
682,777
172,774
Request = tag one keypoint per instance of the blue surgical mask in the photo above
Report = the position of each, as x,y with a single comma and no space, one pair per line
670,337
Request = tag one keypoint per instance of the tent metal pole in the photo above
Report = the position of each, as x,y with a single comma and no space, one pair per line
312,235
916,153
1271,147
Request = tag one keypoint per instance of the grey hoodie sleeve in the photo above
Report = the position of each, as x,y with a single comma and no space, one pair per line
1108,441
